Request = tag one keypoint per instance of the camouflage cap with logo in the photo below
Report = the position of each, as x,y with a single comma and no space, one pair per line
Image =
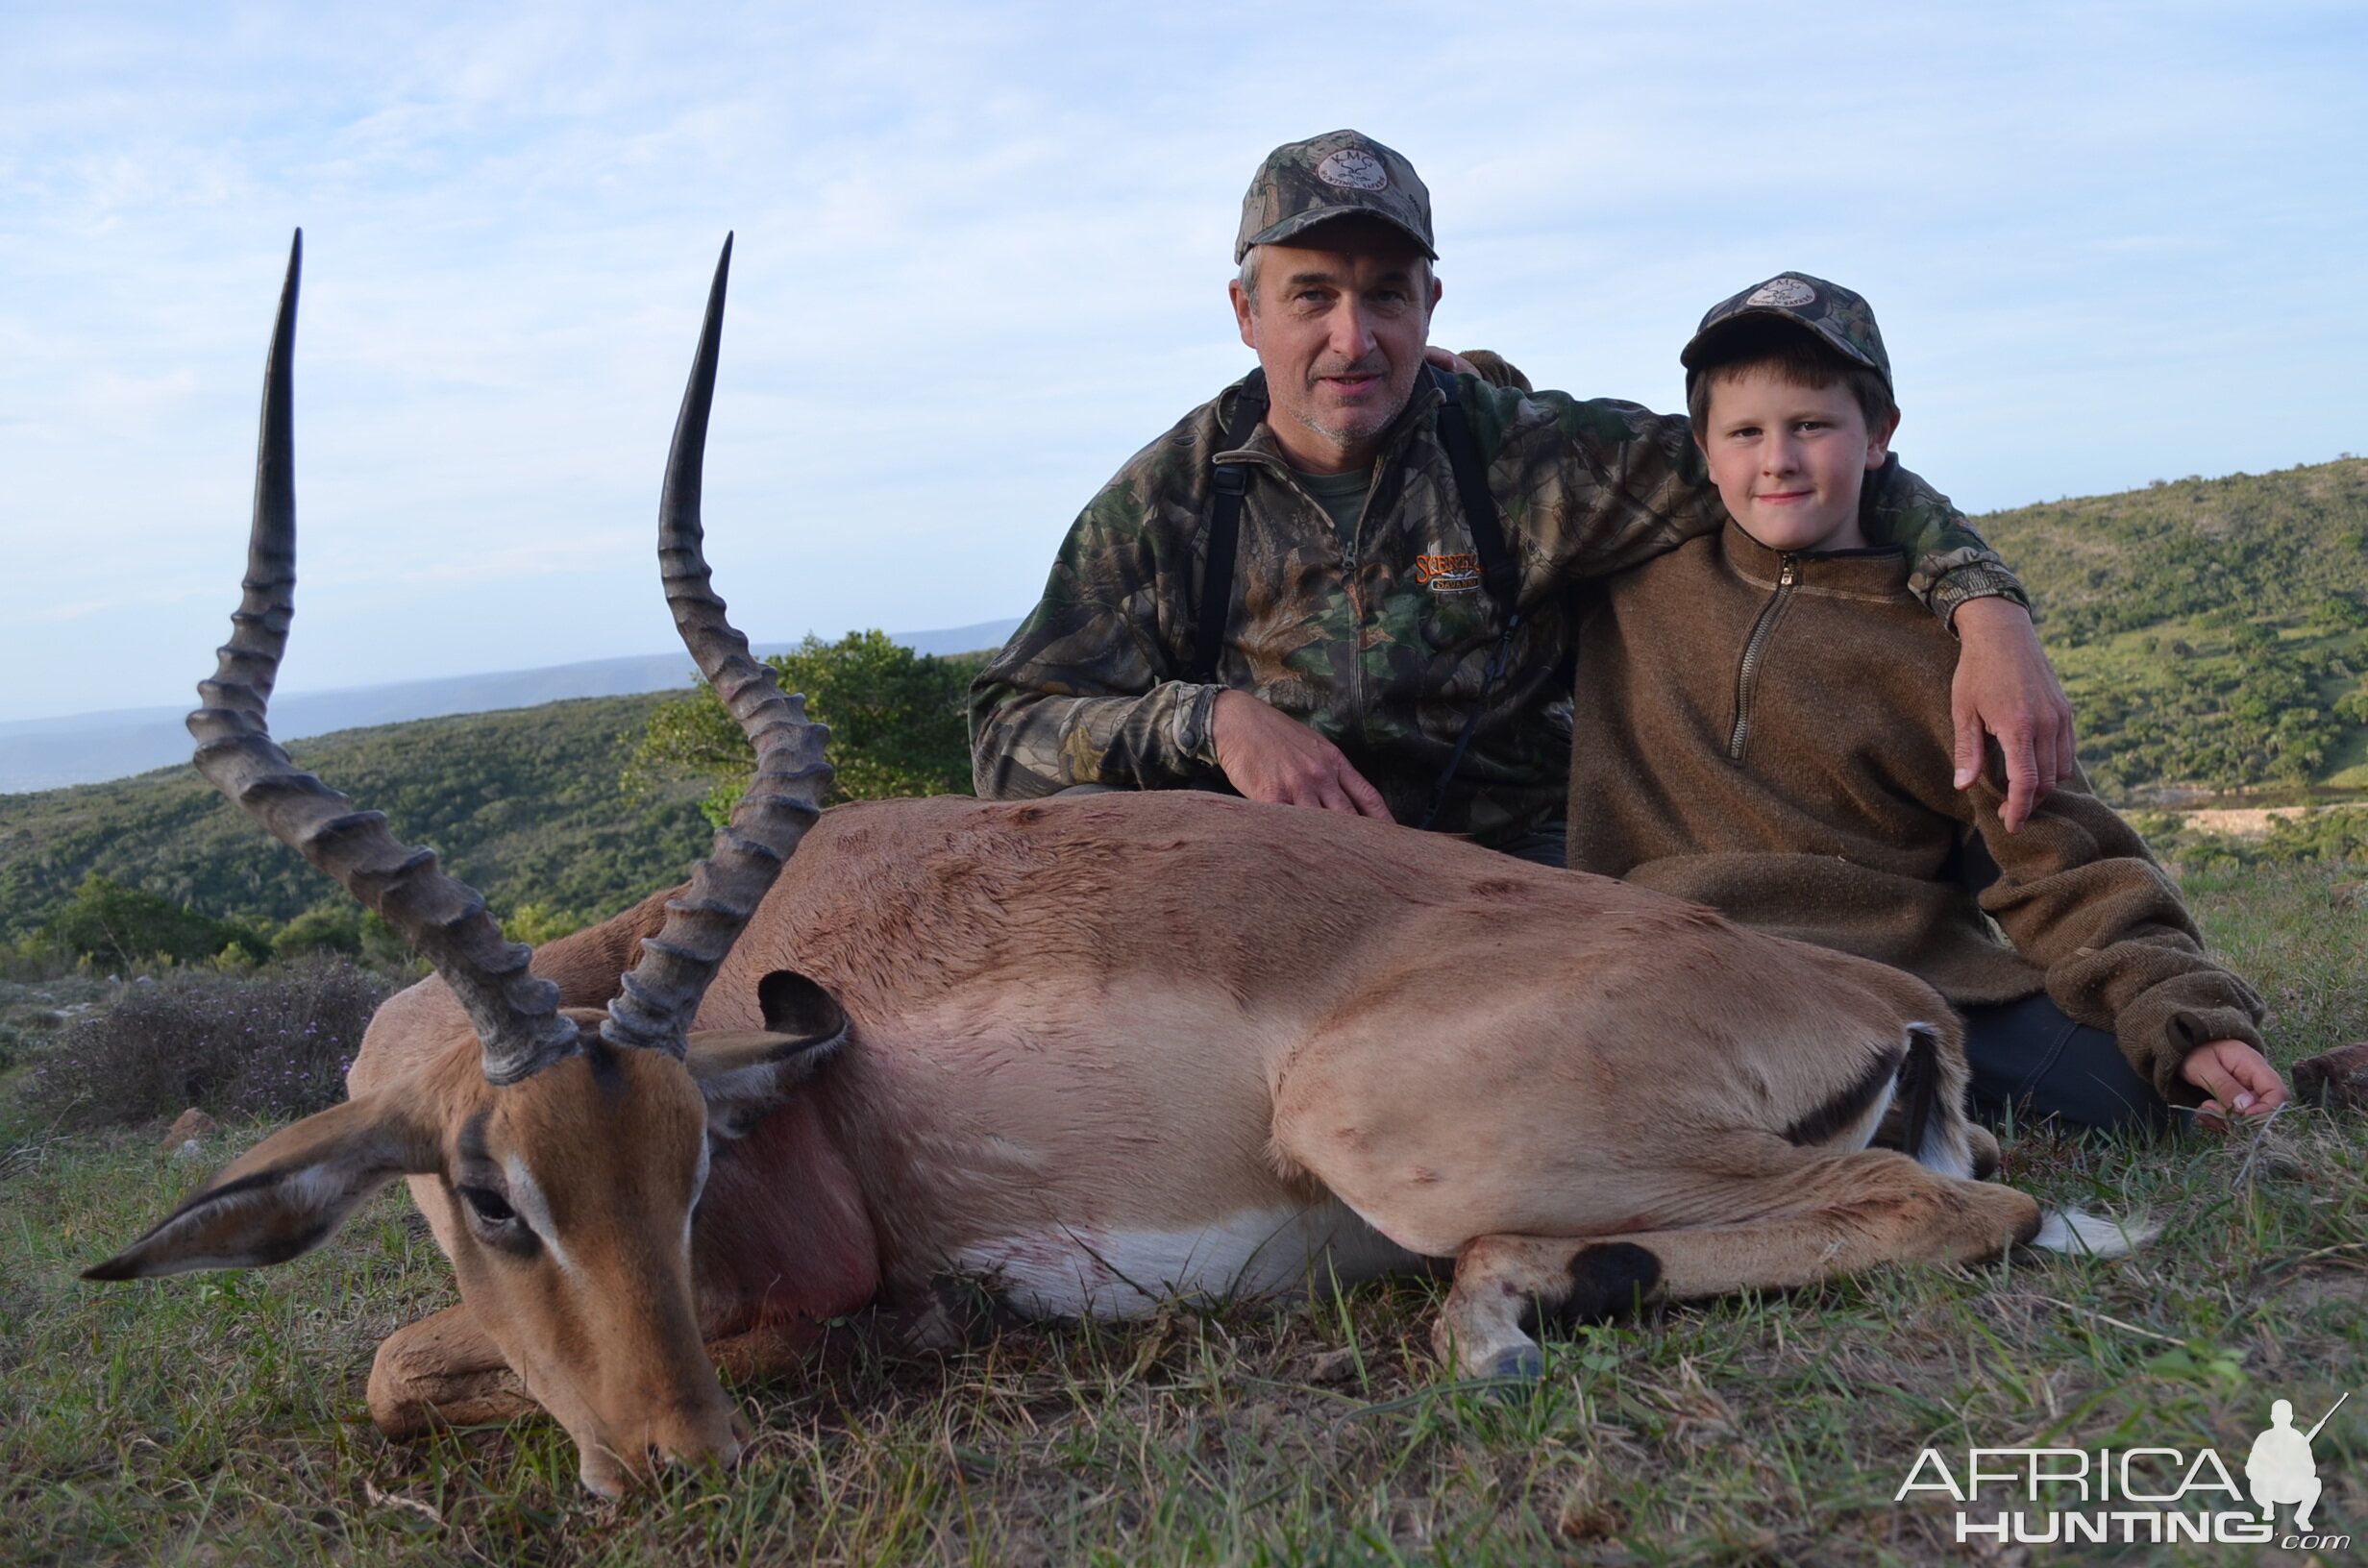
1841,320
1344,174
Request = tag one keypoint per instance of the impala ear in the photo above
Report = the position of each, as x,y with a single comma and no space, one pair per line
746,1075
289,1193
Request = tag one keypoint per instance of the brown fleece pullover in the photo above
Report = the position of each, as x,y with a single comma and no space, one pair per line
1770,735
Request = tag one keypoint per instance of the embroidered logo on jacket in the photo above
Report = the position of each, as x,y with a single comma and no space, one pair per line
1458,574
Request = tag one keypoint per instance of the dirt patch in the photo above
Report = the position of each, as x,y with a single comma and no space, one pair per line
2242,822
2345,1288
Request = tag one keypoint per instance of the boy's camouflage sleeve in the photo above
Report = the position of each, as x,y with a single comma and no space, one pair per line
1083,693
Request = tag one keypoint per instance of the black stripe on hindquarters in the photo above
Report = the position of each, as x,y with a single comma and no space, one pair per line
1853,1102
1919,1094
1608,1279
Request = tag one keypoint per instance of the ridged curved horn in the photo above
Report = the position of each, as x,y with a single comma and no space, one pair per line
661,994
516,1014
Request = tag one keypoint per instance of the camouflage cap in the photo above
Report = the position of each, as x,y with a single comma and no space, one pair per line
1344,174
1841,320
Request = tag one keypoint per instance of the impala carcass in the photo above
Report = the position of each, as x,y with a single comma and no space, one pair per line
1086,1053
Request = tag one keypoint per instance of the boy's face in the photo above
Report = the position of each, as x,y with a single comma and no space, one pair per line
1788,460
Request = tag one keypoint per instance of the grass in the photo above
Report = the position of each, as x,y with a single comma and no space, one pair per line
218,1419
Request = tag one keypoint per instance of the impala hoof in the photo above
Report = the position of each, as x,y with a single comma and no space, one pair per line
1521,1362
2337,1079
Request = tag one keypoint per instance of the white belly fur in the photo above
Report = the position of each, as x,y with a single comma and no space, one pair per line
1077,1271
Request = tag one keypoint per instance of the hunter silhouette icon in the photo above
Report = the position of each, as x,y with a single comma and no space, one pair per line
2280,1468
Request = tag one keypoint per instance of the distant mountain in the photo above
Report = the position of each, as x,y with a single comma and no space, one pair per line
92,747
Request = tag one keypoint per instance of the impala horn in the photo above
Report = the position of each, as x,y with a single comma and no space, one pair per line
661,994
517,1014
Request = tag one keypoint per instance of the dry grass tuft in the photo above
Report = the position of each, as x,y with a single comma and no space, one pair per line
273,1044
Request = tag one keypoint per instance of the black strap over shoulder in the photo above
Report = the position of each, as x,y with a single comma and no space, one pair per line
1498,576
1228,484
1497,572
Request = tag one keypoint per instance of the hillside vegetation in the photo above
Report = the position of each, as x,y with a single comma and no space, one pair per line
528,806
2212,633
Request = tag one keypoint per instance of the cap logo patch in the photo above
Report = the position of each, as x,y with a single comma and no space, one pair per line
1354,168
1784,293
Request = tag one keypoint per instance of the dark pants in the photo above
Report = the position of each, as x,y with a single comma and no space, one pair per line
2031,1062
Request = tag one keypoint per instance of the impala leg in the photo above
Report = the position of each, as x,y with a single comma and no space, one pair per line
769,1351
1832,1214
443,1371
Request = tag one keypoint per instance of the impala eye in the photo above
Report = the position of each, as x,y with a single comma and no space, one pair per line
495,1223
489,1207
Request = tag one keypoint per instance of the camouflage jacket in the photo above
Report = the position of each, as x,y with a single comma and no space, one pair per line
1377,641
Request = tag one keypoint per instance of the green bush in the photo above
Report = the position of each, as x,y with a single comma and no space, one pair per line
536,924
122,927
332,928
2338,613
33,957
897,717
2331,836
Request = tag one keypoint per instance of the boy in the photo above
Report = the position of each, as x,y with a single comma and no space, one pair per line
1763,726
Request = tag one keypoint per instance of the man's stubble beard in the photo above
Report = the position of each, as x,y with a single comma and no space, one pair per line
1354,427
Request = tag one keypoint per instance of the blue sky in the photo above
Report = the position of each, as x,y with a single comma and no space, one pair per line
983,260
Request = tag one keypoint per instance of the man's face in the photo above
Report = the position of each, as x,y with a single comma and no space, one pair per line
1788,460
1341,334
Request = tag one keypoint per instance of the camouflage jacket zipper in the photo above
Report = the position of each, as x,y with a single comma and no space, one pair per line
1755,649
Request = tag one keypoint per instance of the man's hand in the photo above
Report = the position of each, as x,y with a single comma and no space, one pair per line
1271,756
2006,686
1450,361
2238,1079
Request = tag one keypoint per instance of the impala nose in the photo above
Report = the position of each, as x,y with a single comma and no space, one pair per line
724,1455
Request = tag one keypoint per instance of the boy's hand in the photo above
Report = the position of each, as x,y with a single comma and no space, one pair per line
2237,1077
2006,686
